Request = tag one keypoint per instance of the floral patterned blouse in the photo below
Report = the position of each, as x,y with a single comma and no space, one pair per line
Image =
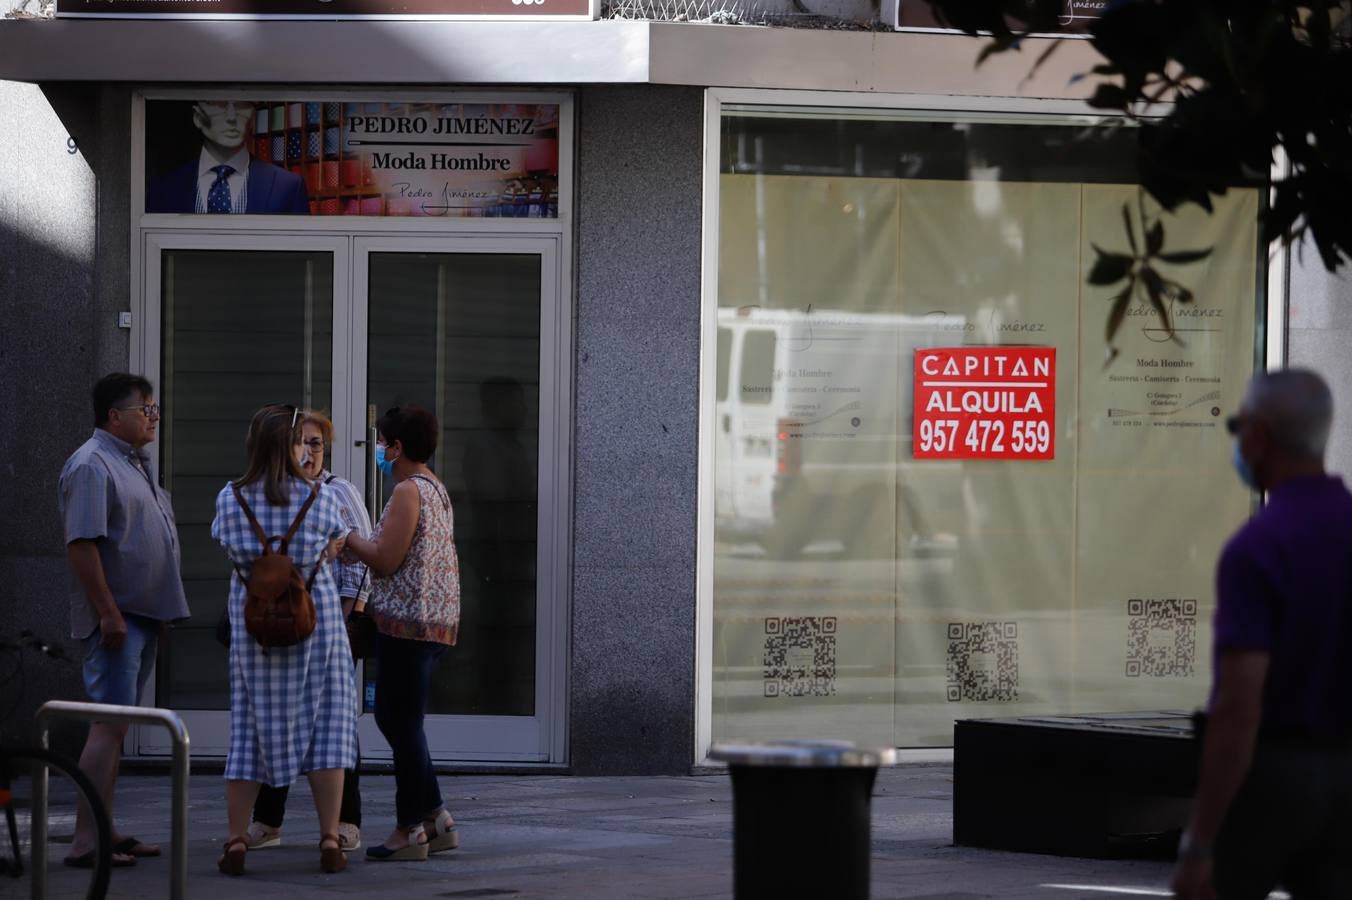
420,601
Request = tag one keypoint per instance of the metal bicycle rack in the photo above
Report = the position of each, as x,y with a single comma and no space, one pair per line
132,715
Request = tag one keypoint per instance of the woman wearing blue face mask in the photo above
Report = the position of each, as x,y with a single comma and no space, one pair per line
415,601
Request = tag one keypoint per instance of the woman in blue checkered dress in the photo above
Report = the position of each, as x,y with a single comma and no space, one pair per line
292,709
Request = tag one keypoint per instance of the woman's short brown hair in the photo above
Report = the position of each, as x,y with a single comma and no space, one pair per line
319,420
414,427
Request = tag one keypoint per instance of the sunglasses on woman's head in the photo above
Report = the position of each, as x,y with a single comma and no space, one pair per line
278,407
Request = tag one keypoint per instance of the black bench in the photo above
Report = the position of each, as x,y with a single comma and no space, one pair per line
1108,786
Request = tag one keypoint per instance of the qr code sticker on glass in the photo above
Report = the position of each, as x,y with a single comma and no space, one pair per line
800,656
983,661
1161,638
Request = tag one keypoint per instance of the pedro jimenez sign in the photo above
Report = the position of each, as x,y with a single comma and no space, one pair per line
985,403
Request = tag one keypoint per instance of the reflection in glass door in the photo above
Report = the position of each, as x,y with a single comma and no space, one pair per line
239,328
459,334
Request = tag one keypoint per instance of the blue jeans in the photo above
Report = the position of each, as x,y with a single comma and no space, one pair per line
119,676
403,681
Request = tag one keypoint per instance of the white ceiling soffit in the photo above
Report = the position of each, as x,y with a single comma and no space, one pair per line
318,52
544,53
878,61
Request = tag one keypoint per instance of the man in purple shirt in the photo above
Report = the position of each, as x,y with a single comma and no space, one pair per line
1274,799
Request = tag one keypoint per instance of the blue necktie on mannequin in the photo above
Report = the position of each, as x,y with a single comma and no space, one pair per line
218,198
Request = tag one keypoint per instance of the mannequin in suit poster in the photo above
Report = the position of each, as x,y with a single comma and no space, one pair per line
225,178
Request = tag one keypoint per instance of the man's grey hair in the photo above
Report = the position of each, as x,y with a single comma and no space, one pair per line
1297,407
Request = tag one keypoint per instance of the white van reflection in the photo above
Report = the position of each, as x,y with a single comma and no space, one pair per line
813,434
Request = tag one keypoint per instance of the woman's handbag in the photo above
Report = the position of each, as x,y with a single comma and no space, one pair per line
361,634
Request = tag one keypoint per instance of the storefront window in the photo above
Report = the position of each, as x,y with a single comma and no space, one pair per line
866,591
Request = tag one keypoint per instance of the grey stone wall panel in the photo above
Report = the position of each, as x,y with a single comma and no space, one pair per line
637,380
59,284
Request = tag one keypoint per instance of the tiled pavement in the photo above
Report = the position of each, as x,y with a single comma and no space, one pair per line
557,836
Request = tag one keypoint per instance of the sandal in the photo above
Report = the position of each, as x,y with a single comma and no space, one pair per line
261,836
331,859
441,833
415,851
232,857
86,860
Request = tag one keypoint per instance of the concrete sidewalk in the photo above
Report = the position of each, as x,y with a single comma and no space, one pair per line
550,836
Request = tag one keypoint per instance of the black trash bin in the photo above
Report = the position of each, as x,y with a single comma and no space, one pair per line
801,817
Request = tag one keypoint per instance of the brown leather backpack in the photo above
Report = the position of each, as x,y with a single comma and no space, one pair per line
278,608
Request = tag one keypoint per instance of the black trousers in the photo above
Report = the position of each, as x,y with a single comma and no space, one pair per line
403,685
1290,825
270,807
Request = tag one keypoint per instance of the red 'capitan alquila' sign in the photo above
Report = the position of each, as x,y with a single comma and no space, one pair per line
985,403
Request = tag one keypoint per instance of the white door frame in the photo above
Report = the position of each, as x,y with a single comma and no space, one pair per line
518,739
541,739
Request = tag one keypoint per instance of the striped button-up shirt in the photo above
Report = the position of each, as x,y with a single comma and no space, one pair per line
351,577
106,495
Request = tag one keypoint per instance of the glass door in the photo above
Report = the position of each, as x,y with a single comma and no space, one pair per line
467,329
233,323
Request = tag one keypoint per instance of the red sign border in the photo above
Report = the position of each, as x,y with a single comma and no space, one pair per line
957,448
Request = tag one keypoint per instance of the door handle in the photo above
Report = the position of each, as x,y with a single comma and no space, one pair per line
727,423
373,485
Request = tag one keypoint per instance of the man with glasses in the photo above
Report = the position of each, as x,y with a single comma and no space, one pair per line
122,545
1274,798
225,178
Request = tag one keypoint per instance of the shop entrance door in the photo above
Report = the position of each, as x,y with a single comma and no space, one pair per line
465,327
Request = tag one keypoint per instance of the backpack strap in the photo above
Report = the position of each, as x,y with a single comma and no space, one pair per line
300,516
314,572
253,520
319,563
295,524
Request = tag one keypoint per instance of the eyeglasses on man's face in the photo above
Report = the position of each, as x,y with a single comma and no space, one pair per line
314,445
149,410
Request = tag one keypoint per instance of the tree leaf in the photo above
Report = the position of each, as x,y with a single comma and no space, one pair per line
1109,96
1052,47
1180,257
998,44
1154,239
1239,76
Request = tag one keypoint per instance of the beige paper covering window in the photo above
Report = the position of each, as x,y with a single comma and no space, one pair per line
862,594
